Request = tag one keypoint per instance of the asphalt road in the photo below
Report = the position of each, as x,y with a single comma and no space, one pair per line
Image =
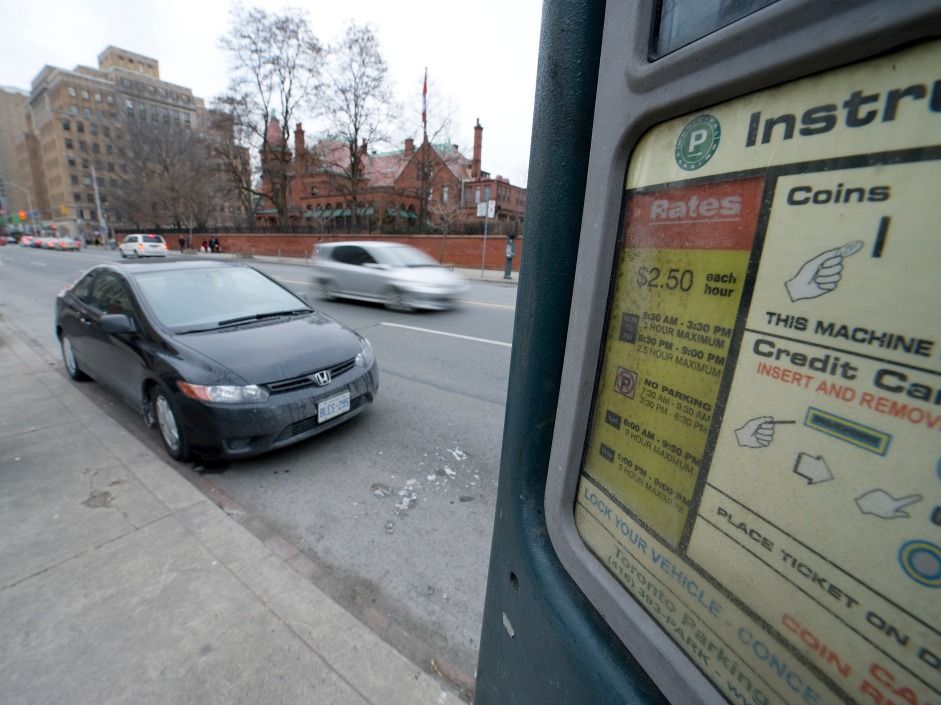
394,510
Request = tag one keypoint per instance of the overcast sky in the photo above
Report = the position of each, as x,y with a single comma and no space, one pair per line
481,55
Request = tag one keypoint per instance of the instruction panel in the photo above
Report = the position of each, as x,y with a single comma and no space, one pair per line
762,471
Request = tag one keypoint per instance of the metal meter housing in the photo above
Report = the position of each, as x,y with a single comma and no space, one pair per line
639,88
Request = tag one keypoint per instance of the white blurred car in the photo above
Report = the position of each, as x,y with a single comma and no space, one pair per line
142,245
399,276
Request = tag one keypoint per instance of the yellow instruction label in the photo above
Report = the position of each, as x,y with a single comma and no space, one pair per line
762,471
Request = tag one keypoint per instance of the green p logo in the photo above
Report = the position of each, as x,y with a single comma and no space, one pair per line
698,141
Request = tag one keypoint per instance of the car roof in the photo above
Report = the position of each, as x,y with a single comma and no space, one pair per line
364,243
169,265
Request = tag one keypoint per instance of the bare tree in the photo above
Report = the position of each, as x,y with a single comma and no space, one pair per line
357,105
170,180
275,64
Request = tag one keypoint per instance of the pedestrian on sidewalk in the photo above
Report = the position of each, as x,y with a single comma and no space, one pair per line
182,245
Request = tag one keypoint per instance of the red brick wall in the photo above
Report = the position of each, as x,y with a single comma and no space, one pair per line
459,250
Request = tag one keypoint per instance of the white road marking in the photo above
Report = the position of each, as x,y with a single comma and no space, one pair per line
450,335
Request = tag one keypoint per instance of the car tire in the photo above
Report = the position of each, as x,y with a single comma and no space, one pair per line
136,254
68,358
169,425
327,292
396,301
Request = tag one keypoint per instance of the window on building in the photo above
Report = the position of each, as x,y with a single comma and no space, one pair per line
74,178
477,195
97,97
71,91
109,99
110,166
106,131
130,107
79,126
68,143
86,112
89,197
109,148
95,148
73,109
93,128
444,194
99,165
487,193
87,181
82,146
84,163
66,125
77,197
84,95
70,160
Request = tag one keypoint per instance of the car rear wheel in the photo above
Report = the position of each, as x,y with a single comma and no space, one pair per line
68,357
327,291
169,423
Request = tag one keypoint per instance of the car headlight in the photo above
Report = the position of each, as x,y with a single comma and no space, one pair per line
367,357
224,393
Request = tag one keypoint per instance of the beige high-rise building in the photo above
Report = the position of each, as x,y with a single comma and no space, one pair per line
16,185
77,133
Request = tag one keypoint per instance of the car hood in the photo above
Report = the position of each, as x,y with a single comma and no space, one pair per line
276,350
432,276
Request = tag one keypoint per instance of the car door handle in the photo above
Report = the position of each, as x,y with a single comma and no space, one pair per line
86,321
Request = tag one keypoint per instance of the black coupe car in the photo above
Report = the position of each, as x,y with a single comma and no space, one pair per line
225,361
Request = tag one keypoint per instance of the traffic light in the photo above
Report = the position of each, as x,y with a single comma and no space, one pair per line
22,215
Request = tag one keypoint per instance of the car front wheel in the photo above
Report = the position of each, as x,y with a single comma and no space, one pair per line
396,300
169,423
68,357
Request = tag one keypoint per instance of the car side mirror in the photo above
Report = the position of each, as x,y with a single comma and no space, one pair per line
116,323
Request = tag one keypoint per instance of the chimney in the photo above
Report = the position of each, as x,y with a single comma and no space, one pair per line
409,146
478,138
299,147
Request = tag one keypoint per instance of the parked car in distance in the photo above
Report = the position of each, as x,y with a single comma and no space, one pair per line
68,243
143,245
399,276
226,362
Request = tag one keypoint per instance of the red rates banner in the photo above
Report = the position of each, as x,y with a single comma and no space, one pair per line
714,216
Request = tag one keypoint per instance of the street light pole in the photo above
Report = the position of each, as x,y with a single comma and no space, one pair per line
29,200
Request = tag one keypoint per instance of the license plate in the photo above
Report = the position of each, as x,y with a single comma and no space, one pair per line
334,406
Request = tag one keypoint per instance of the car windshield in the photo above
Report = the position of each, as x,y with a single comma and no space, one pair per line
203,299
404,256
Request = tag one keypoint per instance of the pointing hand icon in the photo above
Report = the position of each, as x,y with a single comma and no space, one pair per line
757,433
883,505
821,274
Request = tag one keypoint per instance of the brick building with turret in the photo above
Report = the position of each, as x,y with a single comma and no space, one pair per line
431,186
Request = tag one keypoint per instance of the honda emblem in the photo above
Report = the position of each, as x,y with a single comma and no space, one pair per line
322,378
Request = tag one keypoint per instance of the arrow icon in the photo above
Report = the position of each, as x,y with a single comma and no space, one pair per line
814,469
883,505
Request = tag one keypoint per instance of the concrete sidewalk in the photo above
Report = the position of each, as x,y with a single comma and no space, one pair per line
122,583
